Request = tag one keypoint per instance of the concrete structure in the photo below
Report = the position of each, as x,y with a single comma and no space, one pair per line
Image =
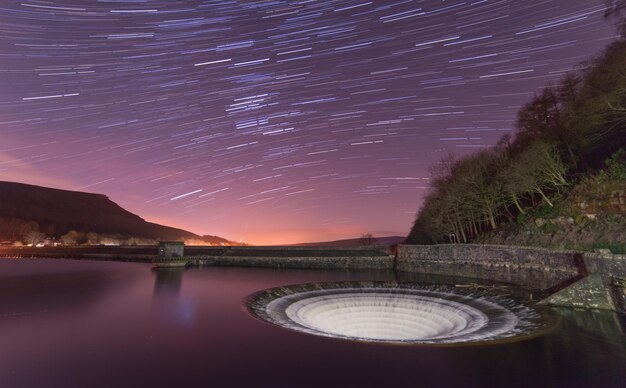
171,254
567,278
574,279
533,268
171,249
589,292
301,257
604,288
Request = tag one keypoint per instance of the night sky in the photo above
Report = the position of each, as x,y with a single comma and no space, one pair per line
272,121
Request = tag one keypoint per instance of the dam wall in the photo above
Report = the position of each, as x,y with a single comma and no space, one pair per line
593,280
604,288
533,268
298,257
565,278
335,262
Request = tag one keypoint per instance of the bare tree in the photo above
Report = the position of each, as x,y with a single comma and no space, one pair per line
33,237
70,238
367,239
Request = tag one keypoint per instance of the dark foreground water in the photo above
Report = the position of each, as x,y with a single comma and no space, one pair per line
92,324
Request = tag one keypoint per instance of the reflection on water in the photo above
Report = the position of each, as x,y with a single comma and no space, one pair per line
105,324
168,281
608,324
177,309
591,344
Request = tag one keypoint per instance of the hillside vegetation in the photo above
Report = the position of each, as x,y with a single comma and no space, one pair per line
568,152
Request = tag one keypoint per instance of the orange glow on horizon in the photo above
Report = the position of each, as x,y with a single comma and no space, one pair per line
273,236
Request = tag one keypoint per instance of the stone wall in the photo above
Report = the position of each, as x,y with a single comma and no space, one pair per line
606,198
533,268
299,257
604,288
611,269
311,262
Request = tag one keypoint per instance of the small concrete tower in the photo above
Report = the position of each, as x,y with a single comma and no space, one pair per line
171,249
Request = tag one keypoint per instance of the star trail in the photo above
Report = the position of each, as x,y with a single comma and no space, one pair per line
272,121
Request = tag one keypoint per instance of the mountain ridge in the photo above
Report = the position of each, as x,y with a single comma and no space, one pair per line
58,211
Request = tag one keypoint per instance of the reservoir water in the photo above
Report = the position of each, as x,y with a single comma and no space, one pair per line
105,324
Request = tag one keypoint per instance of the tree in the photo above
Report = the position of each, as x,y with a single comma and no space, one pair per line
598,113
542,172
93,238
517,183
70,238
543,118
33,237
616,11
566,130
482,188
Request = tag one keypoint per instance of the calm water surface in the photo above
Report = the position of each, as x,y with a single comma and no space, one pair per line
104,324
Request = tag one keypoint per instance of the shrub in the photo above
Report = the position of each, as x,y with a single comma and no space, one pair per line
615,248
546,211
549,227
616,166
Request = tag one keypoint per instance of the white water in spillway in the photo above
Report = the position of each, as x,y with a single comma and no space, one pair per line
395,314
387,316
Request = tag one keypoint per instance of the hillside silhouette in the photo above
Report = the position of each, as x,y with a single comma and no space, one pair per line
54,212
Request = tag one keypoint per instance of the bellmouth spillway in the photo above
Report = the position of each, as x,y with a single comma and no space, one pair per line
394,313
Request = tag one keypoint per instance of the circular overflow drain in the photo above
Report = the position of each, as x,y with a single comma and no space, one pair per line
396,313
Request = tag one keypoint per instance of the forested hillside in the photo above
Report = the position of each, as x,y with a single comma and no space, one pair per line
571,133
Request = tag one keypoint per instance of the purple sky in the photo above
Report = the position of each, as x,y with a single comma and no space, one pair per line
273,121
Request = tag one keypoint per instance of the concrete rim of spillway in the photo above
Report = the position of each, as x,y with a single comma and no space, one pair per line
400,313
